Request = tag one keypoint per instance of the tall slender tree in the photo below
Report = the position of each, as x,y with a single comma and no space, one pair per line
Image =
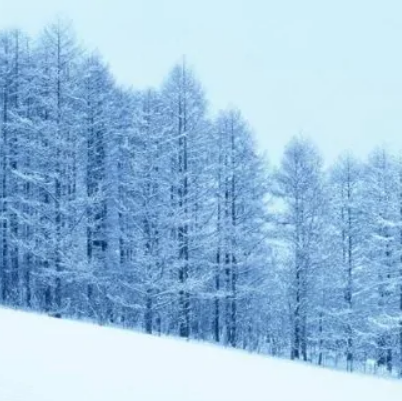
300,187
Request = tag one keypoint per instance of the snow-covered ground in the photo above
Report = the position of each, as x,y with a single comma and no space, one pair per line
45,359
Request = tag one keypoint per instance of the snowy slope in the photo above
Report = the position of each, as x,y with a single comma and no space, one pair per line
44,359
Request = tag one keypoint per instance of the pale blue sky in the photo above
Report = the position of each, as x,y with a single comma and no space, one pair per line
332,69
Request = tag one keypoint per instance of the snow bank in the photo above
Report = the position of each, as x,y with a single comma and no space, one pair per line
45,359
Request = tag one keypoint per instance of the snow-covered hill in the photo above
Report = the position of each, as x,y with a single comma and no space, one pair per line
45,359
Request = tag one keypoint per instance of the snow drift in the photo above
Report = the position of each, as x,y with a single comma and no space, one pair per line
45,359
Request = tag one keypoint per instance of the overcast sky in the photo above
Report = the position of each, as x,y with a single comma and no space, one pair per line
331,69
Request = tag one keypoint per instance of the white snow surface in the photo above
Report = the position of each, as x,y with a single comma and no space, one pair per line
46,359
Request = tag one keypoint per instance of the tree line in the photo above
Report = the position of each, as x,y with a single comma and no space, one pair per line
141,209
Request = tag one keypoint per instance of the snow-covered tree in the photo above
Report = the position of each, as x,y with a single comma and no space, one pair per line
346,259
299,185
